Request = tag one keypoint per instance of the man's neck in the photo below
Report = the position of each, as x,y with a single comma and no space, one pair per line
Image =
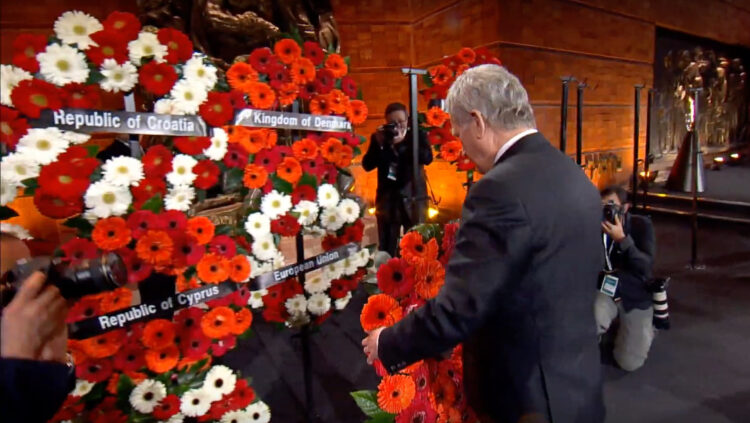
506,137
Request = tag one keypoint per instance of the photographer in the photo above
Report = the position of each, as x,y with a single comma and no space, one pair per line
391,152
628,242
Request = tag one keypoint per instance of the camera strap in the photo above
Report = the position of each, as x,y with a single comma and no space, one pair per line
607,253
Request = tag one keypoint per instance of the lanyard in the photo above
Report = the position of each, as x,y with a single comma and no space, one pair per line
607,252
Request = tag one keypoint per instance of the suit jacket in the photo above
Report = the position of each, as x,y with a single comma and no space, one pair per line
32,391
518,293
633,259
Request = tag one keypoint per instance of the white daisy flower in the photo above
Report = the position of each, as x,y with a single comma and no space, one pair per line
341,303
218,148
259,412
105,199
258,225
349,210
182,170
147,395
195,403
82,388
17,231
42,145
296,305
16,167
278,260
264,248
62,65
331,219
75,27
167,106
123,171
334,270
235,416
146,45
188,96
350,265
307,212
275,204
328,196
319,304
314,230
177,418
199,73
259,268
316,282
118,77
10,77
362,257
90,216
220,380
256,298
75,137
179,198
8,191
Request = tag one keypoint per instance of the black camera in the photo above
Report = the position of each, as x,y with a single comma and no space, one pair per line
390,130
610,211
74,280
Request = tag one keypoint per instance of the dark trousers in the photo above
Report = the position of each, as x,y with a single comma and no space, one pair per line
390,221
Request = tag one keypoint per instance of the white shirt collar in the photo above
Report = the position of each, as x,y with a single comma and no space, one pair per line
511,142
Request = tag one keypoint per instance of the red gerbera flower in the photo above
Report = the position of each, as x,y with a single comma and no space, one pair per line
186,251
243,395
142,221
286,225
217,110
396,278
157,78
55,207
31,96
81,96
192,145
349,87
223,245
168,407
314,167
78,158
236,156
312,51
307,91
147,189
179,46
109,45
173,221
94,370
25,49
207,174
324,81
12,127
303,192
238,99
287,50
261,58
221,347
84,308
157,161
138,270
126,24
193,343
130,358
438,136
78,249
278,75
465,164
268,159
189,319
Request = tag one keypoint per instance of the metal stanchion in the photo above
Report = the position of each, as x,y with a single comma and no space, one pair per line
696,162
636,136
412,73
579,123
647,154
564,112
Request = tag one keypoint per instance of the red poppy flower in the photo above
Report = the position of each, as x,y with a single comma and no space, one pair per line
242,396
126,24
109,45
129,358
223,245
312,51
396,278
31,96
78,249
81,96
286,225
186,251
268,159
55,207
314,167
147,189
157,78
94,370
287,50
193,343
278,75
307,91
261,59
192,145
207,174
189,319
173,221
179,46
142,221
236,156
64,180
349,87
138,270
217,110
221,347
303,192
12,127
324,81
84,308
167,407
25,49
157,161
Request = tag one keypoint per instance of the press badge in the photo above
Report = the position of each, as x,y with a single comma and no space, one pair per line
609,285
392,172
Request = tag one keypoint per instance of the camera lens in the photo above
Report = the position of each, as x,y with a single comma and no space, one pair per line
100,274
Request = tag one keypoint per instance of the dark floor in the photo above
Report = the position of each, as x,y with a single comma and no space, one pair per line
724,184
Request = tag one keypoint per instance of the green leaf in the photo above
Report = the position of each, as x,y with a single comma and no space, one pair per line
84,226
124,386
190,272
347,60
241,251
367,401
427,80
96,175
308,179
223,230
246,334
359,93
382,418
357,151
200,194
233,179
32,183
155,204
96,393
281,185
7,212
92,150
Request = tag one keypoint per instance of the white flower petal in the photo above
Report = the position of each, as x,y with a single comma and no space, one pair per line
275,204
187,96
195,403
123,171
147,395
104,199
10,76
179,198
146,45
118,77
220,380
198,73
42,145
328,196
75,27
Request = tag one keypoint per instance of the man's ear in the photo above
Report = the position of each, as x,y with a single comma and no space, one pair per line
479,124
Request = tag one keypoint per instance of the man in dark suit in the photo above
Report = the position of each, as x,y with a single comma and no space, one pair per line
391,153
517,287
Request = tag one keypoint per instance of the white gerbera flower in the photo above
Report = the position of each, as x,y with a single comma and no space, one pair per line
319,304
258,225
8,191
17,231
259,412
147,395
256,298
314,230
10,77
62,65
278,261
350,265
362,257
349,210
118,77
188,96
316,282
123,171
218,148
307,212
334,270
331,219
328,196
235,416
146,45
296,305
182,170
75,137
258,268
16,167
195,403
341,303
199,73
42,145
105,199
264,248
275,204
177,418
90,216
220,380
82,388
167,106
75,27
179,198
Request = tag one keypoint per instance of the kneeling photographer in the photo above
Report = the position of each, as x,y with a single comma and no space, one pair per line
629,243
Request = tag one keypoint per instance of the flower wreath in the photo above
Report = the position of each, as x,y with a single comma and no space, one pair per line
142,209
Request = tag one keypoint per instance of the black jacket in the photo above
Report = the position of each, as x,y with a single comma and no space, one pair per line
32,391
389,192
632,260
518,293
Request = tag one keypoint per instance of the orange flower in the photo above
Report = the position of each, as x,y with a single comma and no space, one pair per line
461,69
158,334
241,75
254,141
218,323
239,268
262,96
395,393
242,321
320,105
336,64
441,74
467,55
381,310
202,229
448,413
344,159
339,101
237,133
289,170
271,137
104,345
303,71
288,93
430,278
413,248
255,176
213,268
186,362
331,149
111,233
450,151
164,360
436,116
305,149
113,381
183,284
155,248
287,50
444,390
115,300
357,112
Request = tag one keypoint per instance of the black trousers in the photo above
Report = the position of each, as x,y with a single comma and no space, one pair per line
390,220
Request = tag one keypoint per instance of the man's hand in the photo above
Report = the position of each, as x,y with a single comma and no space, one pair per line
400,137
370,345
615,231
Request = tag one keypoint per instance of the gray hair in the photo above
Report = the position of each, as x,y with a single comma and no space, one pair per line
496,93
